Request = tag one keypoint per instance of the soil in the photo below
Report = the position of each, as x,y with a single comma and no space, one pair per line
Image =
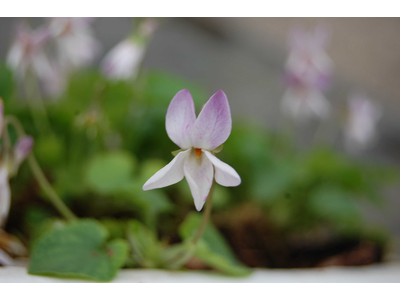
257,244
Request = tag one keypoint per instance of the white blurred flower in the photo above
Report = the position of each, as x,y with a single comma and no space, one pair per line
308,64
5,194
27,56
123,61
360,128
27,52
10,160
305,103
76,45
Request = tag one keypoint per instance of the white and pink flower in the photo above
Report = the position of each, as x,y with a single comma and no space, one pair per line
76,45
27,52
308,63
308,72
363,116
10,161
197,137
123,61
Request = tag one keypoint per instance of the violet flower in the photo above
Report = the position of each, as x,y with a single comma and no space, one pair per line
308,64
308,72
10,160
305,103
199,140
123,61
75,42
360,128
27,53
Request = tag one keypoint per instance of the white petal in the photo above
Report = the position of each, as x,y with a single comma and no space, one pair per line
224,174
170,174
123,61
5,195
199,174
5,259
180,118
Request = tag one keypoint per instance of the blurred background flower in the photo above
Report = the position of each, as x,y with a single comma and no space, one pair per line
362,118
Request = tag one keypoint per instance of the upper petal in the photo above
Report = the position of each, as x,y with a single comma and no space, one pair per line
199,174
214,123
180,118
170,174
224,174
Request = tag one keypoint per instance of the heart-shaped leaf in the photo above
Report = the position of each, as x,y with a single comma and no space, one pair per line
79,249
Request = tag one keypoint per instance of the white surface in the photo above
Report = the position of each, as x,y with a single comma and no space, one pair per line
374,273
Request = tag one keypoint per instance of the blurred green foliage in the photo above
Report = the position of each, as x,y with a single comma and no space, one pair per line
107,138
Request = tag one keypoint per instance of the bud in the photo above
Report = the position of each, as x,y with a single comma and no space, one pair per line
22,148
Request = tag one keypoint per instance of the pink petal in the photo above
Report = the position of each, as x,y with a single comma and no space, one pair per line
199,174
180,119
214,123
170,174
224,174
22,148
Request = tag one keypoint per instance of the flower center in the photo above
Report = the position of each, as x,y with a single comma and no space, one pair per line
198,152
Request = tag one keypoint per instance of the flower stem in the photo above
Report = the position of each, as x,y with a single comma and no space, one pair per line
40,177
182,258
36,106
206,215
48,189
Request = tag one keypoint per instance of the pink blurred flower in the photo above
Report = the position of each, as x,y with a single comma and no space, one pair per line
27,55
360,128
305,103
197,138
308,64
27,52
308,71
76,45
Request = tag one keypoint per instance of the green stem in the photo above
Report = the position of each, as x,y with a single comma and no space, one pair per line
184,257
39,175
48,189
206,215
36,106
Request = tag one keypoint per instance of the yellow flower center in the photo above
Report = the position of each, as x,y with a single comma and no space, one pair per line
198,152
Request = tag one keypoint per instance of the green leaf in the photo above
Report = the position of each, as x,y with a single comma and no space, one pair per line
6,83
110,172
333,203
212,248
80,250
162,87
49,149
146,249
152,203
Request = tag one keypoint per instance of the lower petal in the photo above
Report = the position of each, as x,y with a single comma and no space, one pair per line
199,174
224,174
170,174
